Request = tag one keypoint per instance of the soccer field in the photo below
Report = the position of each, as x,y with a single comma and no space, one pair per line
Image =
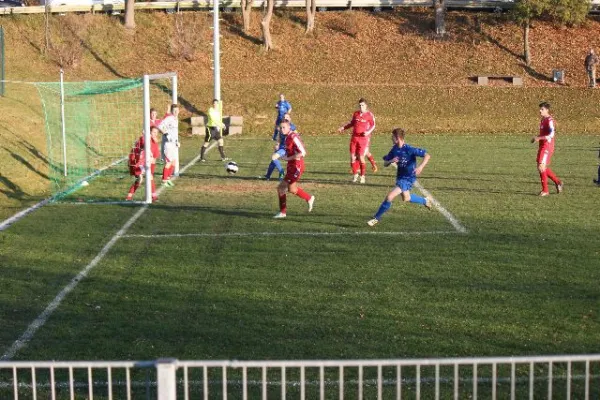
206,273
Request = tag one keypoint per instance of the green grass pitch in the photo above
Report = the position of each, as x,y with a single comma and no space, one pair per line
206,273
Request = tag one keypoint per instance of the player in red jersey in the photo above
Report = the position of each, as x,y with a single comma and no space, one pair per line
137,158
362,124
546,149
294,155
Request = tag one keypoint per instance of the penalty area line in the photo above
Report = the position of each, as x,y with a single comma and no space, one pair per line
451,218
269,234
41,319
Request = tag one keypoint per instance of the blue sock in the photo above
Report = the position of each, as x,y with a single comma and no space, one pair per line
417,199
270,169
383,209
278,165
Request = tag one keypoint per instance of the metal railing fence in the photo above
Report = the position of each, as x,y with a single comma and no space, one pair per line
235,4
537,377
228,5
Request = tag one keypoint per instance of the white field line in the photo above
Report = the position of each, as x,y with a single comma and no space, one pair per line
451,218
41,319
269,234
11,220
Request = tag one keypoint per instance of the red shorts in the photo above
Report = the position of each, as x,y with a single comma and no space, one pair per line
359,145
294,172
544,155
137,171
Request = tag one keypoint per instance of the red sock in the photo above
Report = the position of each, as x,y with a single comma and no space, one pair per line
282,203
355,166
544,180
167,173
303,195
552,176
363,167
372,160
134,187
154,190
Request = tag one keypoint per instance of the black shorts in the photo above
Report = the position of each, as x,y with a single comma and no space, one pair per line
212,133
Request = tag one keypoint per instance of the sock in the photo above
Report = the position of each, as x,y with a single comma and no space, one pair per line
154,190
383,208
134,187
270,169
552,176
278,166
598,173
202,150
355,165
303,195
417,199
167,173
282,203
544,180
222,151
372,160
363,167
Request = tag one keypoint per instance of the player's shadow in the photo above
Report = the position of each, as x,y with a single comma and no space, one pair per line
481,190
12,191
460,178
26,163
211,210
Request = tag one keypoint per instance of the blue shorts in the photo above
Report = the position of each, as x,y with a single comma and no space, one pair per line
405,184
281,152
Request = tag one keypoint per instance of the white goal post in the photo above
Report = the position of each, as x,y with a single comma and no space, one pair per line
147,139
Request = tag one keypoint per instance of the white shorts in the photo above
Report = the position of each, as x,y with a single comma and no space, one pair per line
171,152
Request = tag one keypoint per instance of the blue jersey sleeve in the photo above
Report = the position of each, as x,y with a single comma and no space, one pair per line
418,152
390,156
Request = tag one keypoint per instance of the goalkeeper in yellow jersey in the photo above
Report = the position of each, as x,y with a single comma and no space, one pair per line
215,129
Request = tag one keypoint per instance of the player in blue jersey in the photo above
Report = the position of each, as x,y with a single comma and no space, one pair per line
405,157
279,151
283,107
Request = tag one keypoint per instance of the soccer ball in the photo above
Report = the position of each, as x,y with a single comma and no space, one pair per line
231,167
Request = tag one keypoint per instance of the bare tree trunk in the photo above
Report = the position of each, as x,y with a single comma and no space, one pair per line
265,25
526,53
440,17
47,15
311,12
129,14
246,14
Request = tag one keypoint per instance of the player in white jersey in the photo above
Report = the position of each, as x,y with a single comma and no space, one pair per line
170,126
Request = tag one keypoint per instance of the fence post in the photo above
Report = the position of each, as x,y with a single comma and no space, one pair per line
166,369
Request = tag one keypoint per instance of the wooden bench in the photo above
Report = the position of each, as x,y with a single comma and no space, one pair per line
483,80
233,125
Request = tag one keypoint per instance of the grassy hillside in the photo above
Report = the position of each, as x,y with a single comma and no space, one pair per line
389,57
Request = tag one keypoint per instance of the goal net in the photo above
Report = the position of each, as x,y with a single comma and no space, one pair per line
91,127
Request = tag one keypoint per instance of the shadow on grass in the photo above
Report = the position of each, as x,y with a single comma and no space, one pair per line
14,191
26,163
535,74
239,299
